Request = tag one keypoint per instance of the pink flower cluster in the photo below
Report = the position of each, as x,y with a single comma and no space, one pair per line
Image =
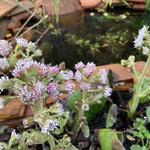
31,94
25,64
5,48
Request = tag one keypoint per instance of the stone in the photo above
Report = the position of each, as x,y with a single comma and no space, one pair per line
86,4
6,7
65,7
13,109
120,72
70,12
23,6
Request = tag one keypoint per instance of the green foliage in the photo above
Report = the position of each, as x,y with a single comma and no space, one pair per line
142,133
148,5
137,147
111,116
112,143
141,91
148,113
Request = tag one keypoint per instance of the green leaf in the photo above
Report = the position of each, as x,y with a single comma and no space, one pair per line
112,116
85,130
76,96
112,143
148,113
136,147
2,129
95,109
148,5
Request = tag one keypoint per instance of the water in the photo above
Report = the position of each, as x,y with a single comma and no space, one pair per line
93,37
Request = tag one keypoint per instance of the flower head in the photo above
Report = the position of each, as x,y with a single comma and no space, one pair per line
85,107
54,69
25,94
1,103
85,86
103,76
66,75
79,65
3,80
5,48
146,51
59,108
22,42
88,70
49,125
53,89
107,91
69,87
15,135
4,63
42,69
138,42
21,66
39,90
78,76
31,47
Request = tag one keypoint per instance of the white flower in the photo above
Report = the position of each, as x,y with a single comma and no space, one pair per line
22,42
103,76
5,48
66,75
15,135
1,146
107,91
3,63
31,47
3,79
25,123
1,103
85,107
59,108
146,51
78,76
139,39
49,125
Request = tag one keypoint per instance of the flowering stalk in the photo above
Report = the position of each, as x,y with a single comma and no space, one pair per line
79,119
141,87
133,103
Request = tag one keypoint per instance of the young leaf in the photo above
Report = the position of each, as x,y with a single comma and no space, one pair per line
95,109
85,130
76,96
112,116
113,143
135,147
148,113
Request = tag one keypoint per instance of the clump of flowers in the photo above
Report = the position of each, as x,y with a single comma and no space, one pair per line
10,55
92,87
142,40
34,82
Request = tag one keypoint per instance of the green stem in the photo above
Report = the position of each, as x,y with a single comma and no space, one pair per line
133,103
51,142
78,125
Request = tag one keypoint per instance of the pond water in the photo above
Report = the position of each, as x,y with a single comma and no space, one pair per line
100,38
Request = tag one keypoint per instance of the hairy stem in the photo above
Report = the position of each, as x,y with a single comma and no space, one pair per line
133,103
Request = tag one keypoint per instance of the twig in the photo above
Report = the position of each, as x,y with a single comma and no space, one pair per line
24,24
41,36
33,26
